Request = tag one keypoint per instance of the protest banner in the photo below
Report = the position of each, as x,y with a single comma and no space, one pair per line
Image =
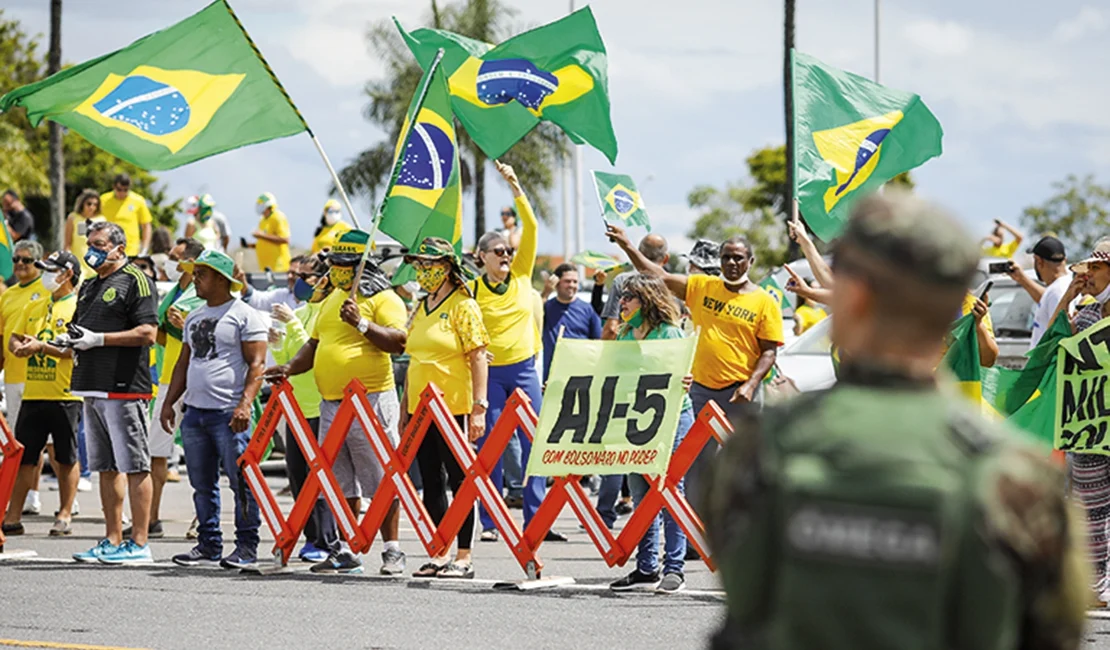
1082,411
611,407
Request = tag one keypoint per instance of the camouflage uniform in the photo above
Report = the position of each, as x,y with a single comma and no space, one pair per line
884,514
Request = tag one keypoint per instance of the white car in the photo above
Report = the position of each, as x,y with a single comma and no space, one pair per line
807,360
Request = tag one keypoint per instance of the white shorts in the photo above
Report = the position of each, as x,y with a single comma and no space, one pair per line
13,398
356,468
161,441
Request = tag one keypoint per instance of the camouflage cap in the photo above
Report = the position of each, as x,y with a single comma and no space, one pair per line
919,238
705,254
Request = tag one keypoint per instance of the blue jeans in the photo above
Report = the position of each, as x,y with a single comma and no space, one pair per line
607,496
674,538
503,380
514,467
209,445
82,450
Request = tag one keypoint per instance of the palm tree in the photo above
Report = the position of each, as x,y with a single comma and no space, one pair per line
533,157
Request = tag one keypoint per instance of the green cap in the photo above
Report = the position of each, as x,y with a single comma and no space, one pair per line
432,248
349,249
218,262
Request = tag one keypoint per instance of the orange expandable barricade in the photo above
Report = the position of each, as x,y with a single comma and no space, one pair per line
12,451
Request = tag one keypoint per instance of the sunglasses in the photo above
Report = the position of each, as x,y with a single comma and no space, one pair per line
628,296
18,259
507,214
304,276
502,251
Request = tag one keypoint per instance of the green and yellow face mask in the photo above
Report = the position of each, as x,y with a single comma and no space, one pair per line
341,277
634,320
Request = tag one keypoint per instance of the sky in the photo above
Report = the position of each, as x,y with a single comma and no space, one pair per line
1019,87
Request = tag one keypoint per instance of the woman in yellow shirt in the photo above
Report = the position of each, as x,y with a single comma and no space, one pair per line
806,315
504,292
447,347
331,227
85,209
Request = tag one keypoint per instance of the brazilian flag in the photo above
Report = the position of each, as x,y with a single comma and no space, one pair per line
770,286
851,136
557,72
424,198
192,90
595,260
620,201
962,357
6,267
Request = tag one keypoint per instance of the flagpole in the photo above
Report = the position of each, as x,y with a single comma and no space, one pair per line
335,179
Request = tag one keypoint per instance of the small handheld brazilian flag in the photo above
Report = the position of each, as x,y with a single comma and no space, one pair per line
192,90
595,260
851,136
620,201
557,72
770,286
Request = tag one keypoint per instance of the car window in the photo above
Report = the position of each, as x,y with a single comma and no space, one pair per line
815,340
1011,311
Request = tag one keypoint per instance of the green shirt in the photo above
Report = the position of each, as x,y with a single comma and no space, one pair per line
664,331
296,335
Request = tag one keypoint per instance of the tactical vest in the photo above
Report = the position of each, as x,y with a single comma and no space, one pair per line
854,539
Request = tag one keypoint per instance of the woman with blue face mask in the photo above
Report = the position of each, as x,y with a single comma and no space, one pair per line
288,334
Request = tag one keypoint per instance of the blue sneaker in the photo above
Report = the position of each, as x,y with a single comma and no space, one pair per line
309,553
103,547
128,553
239,559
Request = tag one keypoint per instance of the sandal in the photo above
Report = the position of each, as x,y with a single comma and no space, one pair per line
491,535
457,570
429,570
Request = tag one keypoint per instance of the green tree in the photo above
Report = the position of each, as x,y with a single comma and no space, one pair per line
1078,213
534,157
733,211
24,150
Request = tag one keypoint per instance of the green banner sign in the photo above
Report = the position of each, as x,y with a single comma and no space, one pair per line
1082,407
611,407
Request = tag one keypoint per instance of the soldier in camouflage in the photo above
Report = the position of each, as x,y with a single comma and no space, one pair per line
882,513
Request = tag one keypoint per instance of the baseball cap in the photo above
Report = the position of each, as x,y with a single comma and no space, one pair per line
60,261
1049,248
218,262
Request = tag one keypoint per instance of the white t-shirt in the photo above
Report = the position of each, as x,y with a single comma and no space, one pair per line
1042,317
217,369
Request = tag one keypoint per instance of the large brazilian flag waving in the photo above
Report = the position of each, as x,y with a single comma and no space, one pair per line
192,90
424,198
851,135
557,72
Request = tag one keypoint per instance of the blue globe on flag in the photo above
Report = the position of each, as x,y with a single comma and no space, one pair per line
501,81
151,106
428,158
623,202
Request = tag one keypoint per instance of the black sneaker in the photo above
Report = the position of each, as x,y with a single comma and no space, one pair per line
554,536
672,583
624,507
12,529
636,581
154,531
339,562
239,559
197,556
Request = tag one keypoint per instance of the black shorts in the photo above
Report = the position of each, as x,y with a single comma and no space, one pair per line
40,420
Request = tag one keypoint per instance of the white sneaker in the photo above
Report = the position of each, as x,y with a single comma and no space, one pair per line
76,509
84,485
32,505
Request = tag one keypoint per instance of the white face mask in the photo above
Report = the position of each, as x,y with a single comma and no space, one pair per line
50,283
173,274
332,217
412,286
1103,297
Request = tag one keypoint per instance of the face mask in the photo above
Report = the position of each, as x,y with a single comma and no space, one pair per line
173,274
94,257
342,277
412,286
331,217
321,290
431,278
302,290
51,283
634,320
260,208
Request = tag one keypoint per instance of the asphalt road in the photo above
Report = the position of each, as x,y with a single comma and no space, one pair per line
50,602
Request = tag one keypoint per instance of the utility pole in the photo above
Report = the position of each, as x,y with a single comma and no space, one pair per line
580,224
878,21
57,160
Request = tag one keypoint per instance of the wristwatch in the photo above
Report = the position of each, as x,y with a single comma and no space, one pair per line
363,325
484,403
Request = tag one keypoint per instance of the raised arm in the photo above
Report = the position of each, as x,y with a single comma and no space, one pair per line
525,260
1010,229
821,270
674,281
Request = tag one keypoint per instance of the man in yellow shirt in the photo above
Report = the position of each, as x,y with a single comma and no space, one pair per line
993,245
331,227
13,303
741,330
129,211
49,411
272,234
352,339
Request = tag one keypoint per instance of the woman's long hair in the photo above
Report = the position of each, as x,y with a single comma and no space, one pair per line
657,305
79,204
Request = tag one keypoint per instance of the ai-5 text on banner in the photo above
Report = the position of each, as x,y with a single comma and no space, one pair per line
611,407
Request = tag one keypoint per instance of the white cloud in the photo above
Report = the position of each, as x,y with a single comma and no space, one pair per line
947,38
1089,20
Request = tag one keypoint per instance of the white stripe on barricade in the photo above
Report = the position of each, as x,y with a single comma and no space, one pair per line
298,431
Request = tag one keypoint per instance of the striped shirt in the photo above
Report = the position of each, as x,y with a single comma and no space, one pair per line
120,302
